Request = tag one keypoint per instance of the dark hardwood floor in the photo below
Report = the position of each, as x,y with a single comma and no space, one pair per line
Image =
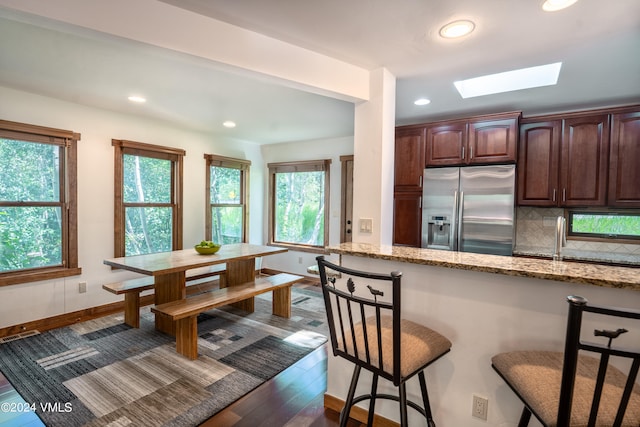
294,398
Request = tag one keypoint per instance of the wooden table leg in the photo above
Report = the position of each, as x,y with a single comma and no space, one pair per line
169,287
239,272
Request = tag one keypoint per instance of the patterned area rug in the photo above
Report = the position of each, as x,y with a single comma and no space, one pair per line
104,373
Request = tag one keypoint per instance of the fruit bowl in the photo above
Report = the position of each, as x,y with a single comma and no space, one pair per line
207,247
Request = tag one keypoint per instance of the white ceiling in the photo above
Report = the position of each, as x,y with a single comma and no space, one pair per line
598,42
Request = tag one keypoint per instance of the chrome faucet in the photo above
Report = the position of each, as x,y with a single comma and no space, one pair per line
561,239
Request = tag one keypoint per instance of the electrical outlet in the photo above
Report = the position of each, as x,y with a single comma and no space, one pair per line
82,287
299,260
480,407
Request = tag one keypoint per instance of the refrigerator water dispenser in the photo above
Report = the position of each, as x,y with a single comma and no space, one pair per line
439,231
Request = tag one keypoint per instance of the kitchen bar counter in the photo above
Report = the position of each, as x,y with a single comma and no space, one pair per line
485,304
562,271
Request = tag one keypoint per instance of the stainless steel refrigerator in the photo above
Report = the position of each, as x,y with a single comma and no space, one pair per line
469,209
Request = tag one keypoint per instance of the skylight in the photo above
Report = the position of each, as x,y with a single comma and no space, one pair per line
524,78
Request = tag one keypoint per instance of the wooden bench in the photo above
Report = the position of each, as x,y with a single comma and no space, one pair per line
133,287
185,312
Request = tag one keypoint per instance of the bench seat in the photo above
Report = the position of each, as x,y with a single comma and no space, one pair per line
133,287
185,312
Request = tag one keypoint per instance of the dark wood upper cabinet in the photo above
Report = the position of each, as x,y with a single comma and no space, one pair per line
538,160
409,158
564,162
624,164
493,141
474,141
446,144
584,161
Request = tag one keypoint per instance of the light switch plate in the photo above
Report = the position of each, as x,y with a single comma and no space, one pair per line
366,225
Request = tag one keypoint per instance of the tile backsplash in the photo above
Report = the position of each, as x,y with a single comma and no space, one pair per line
535,227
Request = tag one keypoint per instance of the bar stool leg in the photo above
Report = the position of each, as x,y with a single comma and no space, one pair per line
344,414
425,400
402,388
372,403
525,417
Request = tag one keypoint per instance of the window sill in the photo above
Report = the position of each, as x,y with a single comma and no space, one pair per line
19,277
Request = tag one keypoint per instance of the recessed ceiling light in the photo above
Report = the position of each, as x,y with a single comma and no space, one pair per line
457,29
422,101
524,78
553,5
138,99
229,124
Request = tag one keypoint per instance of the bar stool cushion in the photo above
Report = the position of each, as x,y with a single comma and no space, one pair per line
537,376
419,345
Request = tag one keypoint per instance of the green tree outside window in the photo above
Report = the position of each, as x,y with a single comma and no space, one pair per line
30,205
298,194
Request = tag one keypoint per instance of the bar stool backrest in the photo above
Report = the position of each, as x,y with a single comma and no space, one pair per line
359,312
574,344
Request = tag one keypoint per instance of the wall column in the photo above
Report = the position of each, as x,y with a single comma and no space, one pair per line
374,135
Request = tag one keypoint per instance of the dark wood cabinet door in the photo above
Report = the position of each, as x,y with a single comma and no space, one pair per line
584,161
446,144
538,158
624,165
493,141
409,158
407,219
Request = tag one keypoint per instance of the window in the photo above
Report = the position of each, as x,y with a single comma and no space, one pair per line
38,206
605,224
148,198
298,195
227,213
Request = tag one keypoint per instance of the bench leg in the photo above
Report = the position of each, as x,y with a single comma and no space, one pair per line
187,337
282,302
132,309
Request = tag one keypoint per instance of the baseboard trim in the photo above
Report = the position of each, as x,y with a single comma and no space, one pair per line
335,404
67,319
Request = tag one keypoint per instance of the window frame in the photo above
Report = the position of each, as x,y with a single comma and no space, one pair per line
176,156
68,140
299,166
604,238
213,160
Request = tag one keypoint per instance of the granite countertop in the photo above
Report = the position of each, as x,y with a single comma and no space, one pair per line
580,255
562,271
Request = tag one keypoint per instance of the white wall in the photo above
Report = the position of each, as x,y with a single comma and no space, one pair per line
32,301
296,262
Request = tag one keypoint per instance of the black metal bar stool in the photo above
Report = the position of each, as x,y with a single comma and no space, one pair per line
574,389
367,330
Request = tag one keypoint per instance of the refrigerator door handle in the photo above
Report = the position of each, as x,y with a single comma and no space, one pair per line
460,213
453,231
